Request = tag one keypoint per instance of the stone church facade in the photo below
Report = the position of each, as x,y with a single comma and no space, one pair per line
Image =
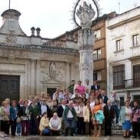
32,64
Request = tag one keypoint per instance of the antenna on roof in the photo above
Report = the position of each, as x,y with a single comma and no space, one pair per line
119,7
9,4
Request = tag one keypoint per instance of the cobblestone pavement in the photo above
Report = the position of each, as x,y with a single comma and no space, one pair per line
66,138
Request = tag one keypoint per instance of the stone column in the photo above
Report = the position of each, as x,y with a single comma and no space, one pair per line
85,43
33,77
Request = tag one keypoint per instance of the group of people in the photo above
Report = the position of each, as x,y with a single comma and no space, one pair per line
75,111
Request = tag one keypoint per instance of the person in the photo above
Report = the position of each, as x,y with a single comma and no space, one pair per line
125,119
55,106
136,120
95,86
87,118
102,103
76,94
70,118
115,101
109,114
44,125
81,89
71,87
13,117
131,103
34,113
98,118
80,118
25,119
5,120
55,125
60,111
104,96
92,102
43,107
87,85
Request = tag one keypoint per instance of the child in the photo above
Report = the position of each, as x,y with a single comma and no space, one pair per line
18,130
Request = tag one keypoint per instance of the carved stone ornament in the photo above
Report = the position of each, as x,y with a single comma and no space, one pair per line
54,72
85,13
11,39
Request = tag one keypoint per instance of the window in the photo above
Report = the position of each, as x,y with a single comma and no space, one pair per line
119,45
118,77
135,40
121,101
97,54
136,75
137,98
96,76
97,34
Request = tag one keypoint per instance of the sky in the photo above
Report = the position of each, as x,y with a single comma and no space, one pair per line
54,17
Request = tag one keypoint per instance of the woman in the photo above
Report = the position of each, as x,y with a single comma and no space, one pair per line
13,117
136,120
102,103
98,118
87,118
5,120
125,119
25,118
44,125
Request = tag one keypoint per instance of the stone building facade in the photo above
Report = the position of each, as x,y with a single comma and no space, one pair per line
123,54
32,64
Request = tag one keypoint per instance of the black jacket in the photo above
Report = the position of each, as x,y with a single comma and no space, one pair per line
109,114
95,87
60,111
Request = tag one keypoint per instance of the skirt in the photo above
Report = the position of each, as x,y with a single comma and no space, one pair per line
126,125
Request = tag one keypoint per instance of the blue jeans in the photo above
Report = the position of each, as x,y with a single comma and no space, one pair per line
116,109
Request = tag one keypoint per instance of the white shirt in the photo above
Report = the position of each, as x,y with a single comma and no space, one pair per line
43,109
55,123
128,111
92,104
70,116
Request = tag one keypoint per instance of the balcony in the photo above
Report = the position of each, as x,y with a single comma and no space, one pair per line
132,83
127,84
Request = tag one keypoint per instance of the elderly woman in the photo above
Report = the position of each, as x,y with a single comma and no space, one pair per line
55,124
87,118
44,125
5,114
125,119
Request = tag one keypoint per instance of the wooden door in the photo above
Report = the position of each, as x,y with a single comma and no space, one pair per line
9,87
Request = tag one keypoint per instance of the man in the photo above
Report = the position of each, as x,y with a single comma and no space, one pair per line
109,114
43,107
104,96
55,125
95,86
60,111
115,101
70,118
71,87
34,112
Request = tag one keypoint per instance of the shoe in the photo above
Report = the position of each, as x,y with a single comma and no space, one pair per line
124,136
134,137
